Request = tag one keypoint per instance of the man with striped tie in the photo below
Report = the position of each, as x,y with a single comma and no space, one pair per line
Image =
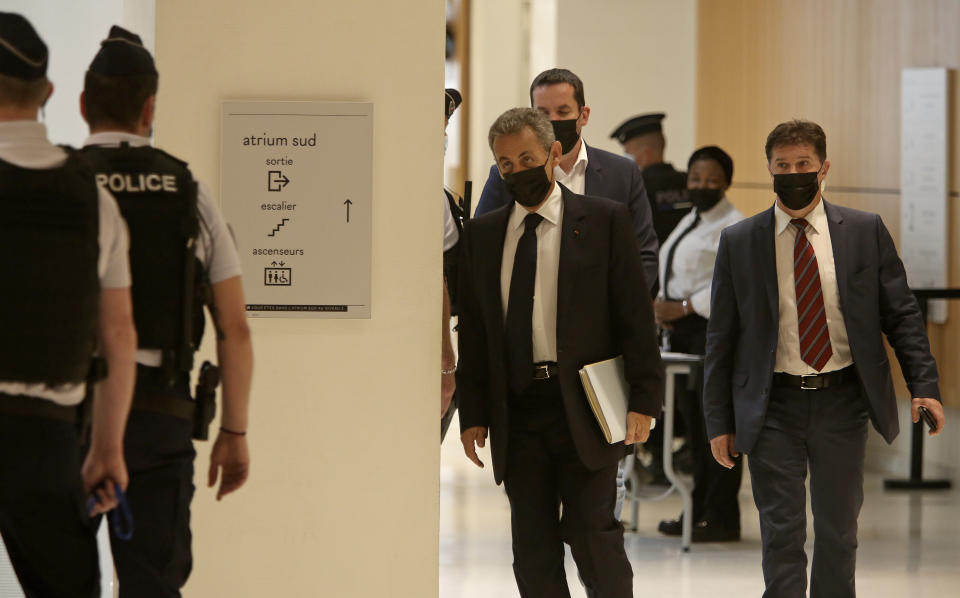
795,364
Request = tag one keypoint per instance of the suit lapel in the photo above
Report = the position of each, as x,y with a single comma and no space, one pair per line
493,262
839,240
766,249
570,251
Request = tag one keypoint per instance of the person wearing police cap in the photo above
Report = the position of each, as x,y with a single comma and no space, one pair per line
642,137
66,295
180,249
452,228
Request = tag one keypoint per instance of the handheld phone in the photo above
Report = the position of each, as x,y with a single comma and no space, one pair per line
928,417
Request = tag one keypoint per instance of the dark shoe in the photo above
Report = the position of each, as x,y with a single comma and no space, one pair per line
703,531
707,531
671,527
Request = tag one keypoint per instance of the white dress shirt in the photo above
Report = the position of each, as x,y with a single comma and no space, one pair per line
25,144
788,345
696,254
215,249
575,180
548,266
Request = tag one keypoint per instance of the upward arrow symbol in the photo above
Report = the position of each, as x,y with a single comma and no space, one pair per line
348,203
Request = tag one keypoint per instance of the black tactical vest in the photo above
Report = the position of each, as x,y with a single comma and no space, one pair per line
49,285
157,196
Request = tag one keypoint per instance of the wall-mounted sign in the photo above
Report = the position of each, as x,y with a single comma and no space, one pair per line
296,182
924,193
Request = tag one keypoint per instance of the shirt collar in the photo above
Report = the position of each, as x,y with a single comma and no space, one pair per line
23,131
580,163
817,218
116,138
718,211
551,210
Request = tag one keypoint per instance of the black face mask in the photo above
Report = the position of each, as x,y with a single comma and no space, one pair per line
796,190
704,199
566,133
528,187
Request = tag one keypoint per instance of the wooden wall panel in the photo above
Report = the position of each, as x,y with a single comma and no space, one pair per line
836,62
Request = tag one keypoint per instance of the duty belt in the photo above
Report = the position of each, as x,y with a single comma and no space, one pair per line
153,395
166,404
37,407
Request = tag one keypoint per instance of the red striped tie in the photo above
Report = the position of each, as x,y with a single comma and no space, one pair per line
815,348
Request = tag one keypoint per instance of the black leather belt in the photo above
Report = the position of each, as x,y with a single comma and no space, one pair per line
544,371
152,394
167,405
37,407
816,381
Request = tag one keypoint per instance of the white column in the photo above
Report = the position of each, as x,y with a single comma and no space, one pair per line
344,428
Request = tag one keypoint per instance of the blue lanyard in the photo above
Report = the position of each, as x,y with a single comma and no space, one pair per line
120,518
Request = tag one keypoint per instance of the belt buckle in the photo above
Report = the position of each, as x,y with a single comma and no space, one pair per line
541,372
803,382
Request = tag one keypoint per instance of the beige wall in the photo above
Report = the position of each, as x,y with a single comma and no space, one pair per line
634,56
761,62
498,76
343,495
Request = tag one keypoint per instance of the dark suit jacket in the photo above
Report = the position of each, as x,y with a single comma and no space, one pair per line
744,322
599,316
610,176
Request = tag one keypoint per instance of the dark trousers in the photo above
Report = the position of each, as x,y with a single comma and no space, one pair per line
544,475
49,537
715,487
159,453
824,431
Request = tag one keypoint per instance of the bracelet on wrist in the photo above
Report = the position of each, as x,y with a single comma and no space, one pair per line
234,432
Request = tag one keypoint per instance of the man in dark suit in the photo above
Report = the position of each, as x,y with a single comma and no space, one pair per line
585,170
802,296
547,285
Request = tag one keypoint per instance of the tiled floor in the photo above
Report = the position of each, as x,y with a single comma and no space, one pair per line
909,543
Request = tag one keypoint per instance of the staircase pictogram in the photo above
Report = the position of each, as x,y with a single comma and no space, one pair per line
278,227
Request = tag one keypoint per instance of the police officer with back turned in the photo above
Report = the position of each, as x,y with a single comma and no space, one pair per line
179,245
65,294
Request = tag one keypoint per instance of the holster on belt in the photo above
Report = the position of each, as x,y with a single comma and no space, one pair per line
205,405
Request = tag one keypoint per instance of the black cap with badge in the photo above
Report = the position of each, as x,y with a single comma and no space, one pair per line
122,54
451,101
639,125
23,55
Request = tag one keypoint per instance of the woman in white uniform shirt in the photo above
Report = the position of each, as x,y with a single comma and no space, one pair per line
682,308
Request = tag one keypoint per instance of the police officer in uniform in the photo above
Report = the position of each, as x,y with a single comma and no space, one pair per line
642,137
179,244
452,228
66,294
